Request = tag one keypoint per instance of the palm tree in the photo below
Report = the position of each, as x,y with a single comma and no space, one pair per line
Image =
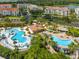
72,47
55,26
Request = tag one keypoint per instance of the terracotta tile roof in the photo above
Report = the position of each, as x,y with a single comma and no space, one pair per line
8,9
57,8
5,4
36,27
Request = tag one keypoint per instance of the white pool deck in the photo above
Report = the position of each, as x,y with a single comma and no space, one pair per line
10,42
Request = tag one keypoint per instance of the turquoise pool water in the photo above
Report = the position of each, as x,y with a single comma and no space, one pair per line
61,42
18,35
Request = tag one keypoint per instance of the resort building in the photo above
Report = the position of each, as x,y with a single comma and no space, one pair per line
34,7
17,9
64,11
8,9
8,1
22,5
15,19
1,1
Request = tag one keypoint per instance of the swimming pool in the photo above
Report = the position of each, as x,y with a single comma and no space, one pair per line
61,42
18,36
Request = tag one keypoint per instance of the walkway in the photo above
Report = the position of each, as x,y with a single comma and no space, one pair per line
50,49
1,57
75,55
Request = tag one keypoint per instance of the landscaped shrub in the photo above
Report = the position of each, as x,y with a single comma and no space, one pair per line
73,32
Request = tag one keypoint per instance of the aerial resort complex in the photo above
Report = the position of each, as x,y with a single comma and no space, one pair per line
39,29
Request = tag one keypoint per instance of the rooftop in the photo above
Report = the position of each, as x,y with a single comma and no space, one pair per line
57,8
36,27
9,9
8,0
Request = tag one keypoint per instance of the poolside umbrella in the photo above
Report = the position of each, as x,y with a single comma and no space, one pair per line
14,42
3,36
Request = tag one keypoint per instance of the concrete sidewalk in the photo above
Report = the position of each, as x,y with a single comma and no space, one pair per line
1,57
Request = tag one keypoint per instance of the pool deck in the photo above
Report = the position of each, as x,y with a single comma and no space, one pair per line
10,42
62,36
